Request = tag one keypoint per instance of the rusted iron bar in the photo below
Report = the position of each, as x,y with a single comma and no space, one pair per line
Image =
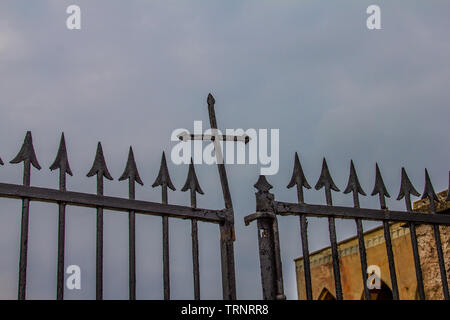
227,235
298,179
432,197
321,211
62,163
406,190
382,192
325,181
268,242
28,157
193,185
355,188
99,169
131,173
110,203
163,180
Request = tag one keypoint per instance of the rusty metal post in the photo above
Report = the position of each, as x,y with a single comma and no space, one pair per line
268,241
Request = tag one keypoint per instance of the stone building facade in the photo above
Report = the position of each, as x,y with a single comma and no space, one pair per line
352,285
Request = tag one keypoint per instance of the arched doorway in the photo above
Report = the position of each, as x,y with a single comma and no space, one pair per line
384,293
326,295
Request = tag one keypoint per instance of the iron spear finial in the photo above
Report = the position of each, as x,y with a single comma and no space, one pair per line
298,177
163,177
131,171
428,191
325,179
61,161
99,166
379,188
353,184
192,181
406,187
27,153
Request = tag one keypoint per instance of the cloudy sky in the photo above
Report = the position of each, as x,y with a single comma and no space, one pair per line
139,69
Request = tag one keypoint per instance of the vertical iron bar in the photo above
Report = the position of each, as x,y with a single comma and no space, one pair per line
165,230
61,238
412,232
389,252
99,244
132,244
305,248
437,237
227,235
24,234
195,260
362,247
334,248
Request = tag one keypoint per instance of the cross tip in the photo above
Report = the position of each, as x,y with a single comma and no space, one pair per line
210,100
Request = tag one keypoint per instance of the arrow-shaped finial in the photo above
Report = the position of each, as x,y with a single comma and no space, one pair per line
131,171
428,191
379,188
298,177
192,181
325,179
163,177
262,184
99,165
27,153
210,100
61,162
406,187
353,184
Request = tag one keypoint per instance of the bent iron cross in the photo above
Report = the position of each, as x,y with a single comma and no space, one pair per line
227,235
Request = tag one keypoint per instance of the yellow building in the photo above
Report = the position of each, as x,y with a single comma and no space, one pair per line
350,267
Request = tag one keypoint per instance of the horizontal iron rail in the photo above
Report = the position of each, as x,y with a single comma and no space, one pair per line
110,203
287,208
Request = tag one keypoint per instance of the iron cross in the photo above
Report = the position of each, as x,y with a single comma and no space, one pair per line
227,235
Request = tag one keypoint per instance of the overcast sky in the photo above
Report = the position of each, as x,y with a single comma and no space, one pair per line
139,69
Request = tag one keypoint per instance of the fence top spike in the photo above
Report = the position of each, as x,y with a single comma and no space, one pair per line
210,100
192,181
262,184
428,191
61,161
379,187
298,177
353,184
406,187
99,165
163,177
27,152
325,179
131,171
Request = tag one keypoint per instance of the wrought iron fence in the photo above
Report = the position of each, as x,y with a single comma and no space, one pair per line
62,197
267,210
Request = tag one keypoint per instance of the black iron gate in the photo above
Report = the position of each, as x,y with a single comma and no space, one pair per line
224,217
269,246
